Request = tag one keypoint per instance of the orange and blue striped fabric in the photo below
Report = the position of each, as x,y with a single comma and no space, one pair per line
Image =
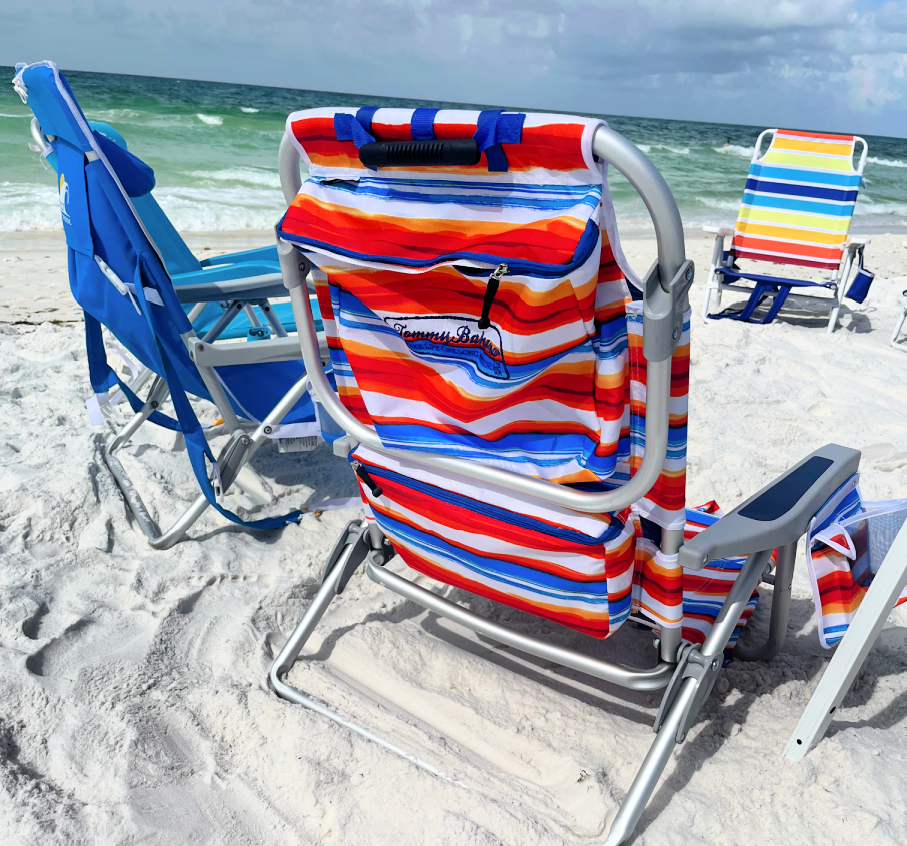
838,555
705,590
798,201
544,376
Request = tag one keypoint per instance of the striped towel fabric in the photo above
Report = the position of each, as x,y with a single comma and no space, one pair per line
848,540
799,201
483,313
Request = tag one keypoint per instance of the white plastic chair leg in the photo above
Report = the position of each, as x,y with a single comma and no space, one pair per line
897,331
852,650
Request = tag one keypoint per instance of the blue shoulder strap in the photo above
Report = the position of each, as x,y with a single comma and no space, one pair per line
200,454
103,377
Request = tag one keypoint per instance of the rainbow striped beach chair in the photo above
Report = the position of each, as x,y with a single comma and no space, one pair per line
796,210
515,411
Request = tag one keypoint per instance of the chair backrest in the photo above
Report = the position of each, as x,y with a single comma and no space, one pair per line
799,199
538,369
177,256
106,238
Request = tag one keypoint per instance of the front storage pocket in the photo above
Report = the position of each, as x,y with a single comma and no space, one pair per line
462,317
563,565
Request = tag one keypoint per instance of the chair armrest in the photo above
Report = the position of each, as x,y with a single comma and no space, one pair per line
269,286
227,272
261,352
779,514
721,231
260,254
858,240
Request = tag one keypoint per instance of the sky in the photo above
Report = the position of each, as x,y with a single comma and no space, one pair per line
819,64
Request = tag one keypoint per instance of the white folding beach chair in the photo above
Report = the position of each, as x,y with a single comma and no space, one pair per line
796,210
896,340
516,414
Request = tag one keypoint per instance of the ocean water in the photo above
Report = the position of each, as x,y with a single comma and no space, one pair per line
213,148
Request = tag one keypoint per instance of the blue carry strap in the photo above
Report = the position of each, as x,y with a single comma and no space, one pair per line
348,128
103,377
759,293
196,443
422,124
364,117
495,128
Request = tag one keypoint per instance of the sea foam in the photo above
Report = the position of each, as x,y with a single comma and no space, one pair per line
210,120
886,162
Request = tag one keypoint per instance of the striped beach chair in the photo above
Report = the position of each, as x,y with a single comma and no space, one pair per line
516,412
796,210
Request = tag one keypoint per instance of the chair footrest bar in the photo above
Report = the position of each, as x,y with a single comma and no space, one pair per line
653,678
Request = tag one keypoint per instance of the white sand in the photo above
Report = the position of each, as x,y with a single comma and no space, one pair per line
133,703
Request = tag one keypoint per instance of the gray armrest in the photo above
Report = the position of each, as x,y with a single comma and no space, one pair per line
255,352
779,514
253,288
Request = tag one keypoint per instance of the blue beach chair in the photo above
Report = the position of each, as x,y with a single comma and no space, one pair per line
254,321
119,278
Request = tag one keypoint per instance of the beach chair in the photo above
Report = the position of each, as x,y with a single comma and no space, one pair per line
516,413
255,320
796,210
896,340
119,279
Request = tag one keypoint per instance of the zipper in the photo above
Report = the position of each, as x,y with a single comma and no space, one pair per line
367,480
494,282
492,511
584,249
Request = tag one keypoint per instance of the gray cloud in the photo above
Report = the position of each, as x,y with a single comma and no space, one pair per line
827,64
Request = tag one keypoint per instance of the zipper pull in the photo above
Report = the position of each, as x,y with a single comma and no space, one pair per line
367,480
494,282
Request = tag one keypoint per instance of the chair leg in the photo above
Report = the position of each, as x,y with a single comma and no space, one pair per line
705,303
345,558
156,538
777,627
833,316
897,331
689,688
884,591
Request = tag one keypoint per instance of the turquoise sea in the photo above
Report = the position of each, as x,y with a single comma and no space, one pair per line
213,147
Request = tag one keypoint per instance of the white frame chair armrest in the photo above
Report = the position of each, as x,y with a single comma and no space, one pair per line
720,231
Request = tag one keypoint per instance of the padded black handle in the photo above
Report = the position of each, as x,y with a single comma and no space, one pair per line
460,151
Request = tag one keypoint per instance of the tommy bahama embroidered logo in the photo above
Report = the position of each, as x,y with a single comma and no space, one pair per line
454,337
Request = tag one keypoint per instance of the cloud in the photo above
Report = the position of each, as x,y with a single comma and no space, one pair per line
830,64
877,80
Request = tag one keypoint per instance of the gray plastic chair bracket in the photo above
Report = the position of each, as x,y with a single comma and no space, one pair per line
777,515
229,462
693,665
348,552
663,311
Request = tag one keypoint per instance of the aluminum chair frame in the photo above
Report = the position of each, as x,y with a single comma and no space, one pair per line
689,672
838,278
896,335
902,318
